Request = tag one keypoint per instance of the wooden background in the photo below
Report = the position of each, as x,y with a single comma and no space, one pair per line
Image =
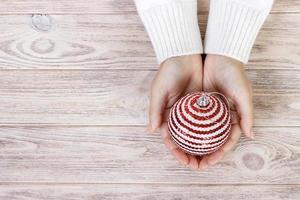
74,85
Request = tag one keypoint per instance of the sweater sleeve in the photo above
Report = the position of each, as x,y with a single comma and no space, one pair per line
233,26
172,26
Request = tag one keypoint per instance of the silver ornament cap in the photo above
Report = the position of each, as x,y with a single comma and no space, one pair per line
203,100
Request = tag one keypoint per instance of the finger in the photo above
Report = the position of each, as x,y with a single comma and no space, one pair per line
234,117
231,105
214,157
193,162
211,159
203,164
244,106
164,130
166,114
181,156
157,106
235,134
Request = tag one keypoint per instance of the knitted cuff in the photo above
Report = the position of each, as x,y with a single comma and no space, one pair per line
233,26
173,29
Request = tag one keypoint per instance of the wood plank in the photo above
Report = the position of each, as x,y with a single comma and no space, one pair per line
90,154
120,42
134,192
120,97
105,6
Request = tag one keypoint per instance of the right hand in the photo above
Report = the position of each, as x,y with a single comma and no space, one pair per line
176,77
227,76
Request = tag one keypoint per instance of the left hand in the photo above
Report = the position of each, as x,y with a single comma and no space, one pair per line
176,77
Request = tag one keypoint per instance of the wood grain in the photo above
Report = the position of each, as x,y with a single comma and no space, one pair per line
75,78
105,6
120,42
93,154
135,192
120,97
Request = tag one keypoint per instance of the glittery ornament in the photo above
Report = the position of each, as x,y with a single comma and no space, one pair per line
200,123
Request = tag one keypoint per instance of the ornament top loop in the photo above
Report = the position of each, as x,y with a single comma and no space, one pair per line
204,100
224,97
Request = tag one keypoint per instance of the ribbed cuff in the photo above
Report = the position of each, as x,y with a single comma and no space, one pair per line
173,29
232,28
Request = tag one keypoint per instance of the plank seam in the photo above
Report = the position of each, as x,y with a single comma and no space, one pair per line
144,183
108,125
128,13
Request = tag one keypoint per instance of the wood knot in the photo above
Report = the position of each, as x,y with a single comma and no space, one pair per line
42,46
253,161
41,22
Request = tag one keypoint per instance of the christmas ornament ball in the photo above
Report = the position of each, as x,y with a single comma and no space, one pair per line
199,123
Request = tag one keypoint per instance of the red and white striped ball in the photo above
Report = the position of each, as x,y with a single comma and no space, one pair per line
200,123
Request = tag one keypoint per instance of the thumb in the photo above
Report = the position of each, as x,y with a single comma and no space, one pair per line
157,107
244,104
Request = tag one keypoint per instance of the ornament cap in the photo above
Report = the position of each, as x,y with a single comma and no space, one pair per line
203,100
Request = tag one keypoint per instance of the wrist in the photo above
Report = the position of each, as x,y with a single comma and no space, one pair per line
186,61
223,61
233,26
172,27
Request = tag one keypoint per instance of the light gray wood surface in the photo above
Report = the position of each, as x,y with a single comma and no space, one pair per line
90,154
74,86
120,42
105,6
149,191
120,97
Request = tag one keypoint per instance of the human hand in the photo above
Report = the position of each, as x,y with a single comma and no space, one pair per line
176,77
227,76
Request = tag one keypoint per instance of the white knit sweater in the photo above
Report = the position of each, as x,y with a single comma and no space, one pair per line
232,26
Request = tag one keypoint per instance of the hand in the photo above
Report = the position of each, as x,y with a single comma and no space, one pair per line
176,77
227,76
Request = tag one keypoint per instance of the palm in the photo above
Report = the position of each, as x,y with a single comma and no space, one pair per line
183,77
228,77
192,86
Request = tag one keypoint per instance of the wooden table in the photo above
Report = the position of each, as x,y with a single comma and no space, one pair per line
74,85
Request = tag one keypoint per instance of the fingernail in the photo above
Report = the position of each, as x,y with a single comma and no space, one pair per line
149,129
203,166
212,161
252,135
154,126
184,163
